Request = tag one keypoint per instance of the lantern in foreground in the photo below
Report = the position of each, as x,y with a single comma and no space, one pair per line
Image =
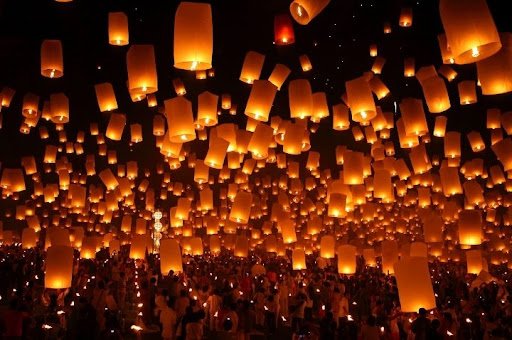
52,64
360,99
260,100
303,11
414,285
59,267
138,247
193,36
470,227
118,33
283,30
347,259
298,259
470,30
170,256
141,64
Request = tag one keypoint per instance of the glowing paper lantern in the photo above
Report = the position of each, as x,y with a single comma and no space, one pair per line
138,247
28,238
260,100
52,64
283,30
180,120
495,72
106,97
470,227
241,246
241,208
405,19
474,261
389,256
436,94
251,69
118,33
298,259
59,267
360,99
170,256
193,36
327,244
347,259
467,92
142,75
216,152
59,106
305,63
470,30
116,126
279,75
300,98
414,285
207,109
303,11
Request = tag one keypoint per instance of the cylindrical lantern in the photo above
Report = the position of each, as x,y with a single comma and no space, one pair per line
118,33
116,126
414,285
59,267
279,75
260,100
251,69
467,92
283,30
360,99
106,97
347,259
470,227
470,30
138,247
327,244
193,36
207,109
59,107
303,11
300,98
170,256
52,64
298,259
142,75
180,120
241,208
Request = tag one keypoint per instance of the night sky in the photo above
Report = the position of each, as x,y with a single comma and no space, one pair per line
337,42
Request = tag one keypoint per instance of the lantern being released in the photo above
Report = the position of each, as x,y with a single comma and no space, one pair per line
59,267
414,285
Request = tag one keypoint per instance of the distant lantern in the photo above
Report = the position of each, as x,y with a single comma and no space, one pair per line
52,64
118,33
260,100
283,30
470,30
470,227
141,64
251,69
303,11
59,108
180,120
106,97
59,267
193,36
414,285
116,126
305,63
300,98
360,99
347,259
405,19
474,261
279,75
409,67
30,106
170,257
389,256
241,246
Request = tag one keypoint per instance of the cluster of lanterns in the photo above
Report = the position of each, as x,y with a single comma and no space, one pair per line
405,207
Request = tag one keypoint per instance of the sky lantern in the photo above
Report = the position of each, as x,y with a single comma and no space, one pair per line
52,64
436,94
360,98
283,30
260,100
106,97
495,72
28,238
300,98
241,209
389,256
346,259
141,64
470,227
59,106
241,246
474,261
138,247
353,167
180,120
409,67
327,244
170,256
207,109
118,33
260,141
305,63
413,116
59,267
251,69
467,92
414,285
279,75
405,19
303,11
116,126
193,36
298,259
340,114
470,30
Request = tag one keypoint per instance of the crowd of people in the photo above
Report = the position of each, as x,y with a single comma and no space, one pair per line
232,298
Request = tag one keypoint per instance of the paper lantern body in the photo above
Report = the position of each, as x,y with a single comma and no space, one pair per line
414,285
470,227
141,64
170,256
283,30
193,36
347,259
303,11
118,33
52,64
59,267
298,259
138,247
